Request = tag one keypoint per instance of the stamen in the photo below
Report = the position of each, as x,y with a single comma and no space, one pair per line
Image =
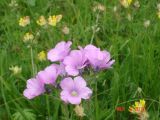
74,93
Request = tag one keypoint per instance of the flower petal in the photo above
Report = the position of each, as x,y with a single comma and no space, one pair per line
27,94
34,88
79,82
53,55
64,96
74,100
60,51
85,93
67,84
71,71
49,75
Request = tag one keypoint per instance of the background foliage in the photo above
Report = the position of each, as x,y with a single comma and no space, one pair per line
135,48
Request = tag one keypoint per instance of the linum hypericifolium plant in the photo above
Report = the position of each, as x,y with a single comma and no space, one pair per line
72,64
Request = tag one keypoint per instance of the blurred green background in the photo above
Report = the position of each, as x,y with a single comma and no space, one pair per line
132,35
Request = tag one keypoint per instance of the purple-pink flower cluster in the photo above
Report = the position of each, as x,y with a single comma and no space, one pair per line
71,65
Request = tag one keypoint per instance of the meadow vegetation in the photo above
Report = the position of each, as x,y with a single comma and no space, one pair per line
129,31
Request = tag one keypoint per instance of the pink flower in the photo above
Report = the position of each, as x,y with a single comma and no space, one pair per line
74,90
34,88
97,58
49,74
62,70
60,51
75,62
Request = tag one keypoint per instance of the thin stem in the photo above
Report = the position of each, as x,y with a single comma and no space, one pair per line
95,28
48,106
66,111
96,100
32,62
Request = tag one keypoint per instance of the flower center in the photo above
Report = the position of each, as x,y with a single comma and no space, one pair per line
74,93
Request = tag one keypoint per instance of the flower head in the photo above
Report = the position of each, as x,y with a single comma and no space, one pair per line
27,37
24,21
60,51
126,3
65,30
146,23
74,90
79,110
49,74
15,69
75,62
138,107
99,7
34,88
53,20
158,14
42,56
41,21
13,3
97,58
137,4
158,6
129,17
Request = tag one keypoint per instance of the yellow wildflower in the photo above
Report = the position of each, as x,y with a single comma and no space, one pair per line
129,1
15,69
24,21
126,3
41,21
53,20
27,37
42,56
79,110
138,107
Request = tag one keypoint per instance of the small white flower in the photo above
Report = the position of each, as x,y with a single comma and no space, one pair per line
115,9
137,4
13,3
15,69
65,30
99,7
146,23
158,6
129,17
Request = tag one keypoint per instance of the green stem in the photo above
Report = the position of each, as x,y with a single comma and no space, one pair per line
96,101
32,62
65,111
95,28
48,106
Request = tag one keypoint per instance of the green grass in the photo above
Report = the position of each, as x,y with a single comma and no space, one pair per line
135,48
